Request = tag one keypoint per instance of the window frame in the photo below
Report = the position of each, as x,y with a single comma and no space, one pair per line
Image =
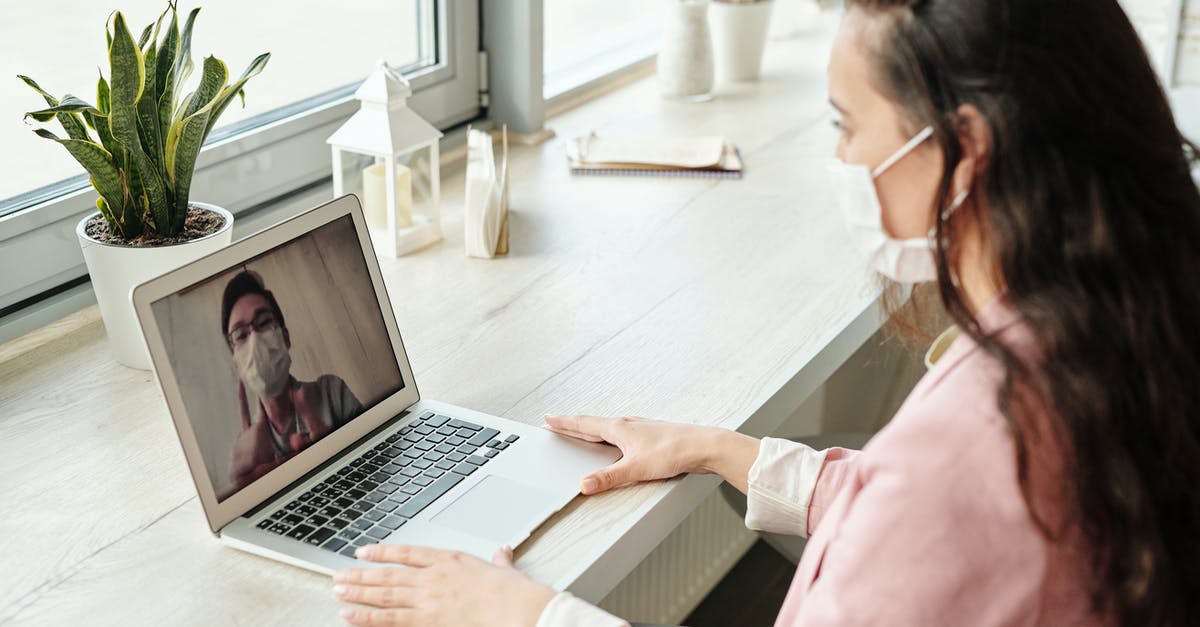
241,169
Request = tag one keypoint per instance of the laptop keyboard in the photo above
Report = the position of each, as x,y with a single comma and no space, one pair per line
377,492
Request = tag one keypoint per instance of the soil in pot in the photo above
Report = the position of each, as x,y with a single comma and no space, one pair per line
198,223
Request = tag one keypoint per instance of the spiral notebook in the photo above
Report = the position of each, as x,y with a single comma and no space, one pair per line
698,157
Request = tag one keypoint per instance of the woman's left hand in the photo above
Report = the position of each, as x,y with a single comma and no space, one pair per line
438,587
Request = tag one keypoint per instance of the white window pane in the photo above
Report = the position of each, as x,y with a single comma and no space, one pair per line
313,47
581,34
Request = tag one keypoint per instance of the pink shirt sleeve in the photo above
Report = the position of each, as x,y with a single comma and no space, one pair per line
925,541
835,473
567,610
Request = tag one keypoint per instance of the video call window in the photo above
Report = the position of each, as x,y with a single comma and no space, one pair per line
278,352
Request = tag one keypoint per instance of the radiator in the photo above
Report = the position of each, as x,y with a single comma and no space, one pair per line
677,575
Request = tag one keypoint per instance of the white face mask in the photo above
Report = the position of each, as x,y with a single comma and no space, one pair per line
903,260
264,363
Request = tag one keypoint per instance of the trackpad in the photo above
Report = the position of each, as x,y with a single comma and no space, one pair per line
496,509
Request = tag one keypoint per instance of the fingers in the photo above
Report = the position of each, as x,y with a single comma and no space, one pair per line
402,554
503,556
376,576
379,596
378,618
575,434
585,425
243,408
613,476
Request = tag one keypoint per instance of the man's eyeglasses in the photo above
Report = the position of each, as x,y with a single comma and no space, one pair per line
261,324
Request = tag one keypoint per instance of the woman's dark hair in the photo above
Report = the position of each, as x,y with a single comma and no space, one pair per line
241,284
1091,217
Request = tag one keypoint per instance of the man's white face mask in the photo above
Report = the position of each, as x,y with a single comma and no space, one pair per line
264,362
903,260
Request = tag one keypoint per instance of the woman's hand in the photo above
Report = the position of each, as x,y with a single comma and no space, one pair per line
651,449
437,587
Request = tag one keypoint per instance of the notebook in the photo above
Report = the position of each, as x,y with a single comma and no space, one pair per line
701,157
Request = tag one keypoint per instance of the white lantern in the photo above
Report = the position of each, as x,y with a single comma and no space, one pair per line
400,190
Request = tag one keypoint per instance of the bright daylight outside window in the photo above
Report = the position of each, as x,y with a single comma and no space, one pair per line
585,39
314,49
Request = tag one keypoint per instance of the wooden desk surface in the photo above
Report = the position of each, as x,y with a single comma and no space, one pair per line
690,300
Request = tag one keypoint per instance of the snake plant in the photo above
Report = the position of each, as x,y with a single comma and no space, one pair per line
140,140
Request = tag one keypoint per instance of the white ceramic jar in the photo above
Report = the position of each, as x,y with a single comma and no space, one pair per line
685,63
739,35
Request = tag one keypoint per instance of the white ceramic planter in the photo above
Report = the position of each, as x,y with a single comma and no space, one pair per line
116,270
739,35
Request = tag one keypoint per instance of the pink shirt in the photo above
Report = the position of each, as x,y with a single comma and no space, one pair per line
927,524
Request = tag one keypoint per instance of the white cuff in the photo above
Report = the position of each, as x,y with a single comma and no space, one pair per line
781,483
567,610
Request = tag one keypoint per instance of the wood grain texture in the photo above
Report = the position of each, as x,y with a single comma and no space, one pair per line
684,300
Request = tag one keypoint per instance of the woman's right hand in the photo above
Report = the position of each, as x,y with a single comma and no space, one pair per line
651,449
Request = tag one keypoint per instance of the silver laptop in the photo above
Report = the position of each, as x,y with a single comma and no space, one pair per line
286,377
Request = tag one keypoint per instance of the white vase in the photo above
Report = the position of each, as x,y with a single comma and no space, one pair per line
685,62
116,270
739,35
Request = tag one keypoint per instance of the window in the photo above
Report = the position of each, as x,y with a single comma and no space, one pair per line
586,39
272,148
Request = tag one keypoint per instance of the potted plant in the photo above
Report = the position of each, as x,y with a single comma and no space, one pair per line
139,143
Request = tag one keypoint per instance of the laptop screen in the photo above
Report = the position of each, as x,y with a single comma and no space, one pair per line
278,352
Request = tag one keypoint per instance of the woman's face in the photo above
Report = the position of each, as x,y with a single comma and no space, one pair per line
873,129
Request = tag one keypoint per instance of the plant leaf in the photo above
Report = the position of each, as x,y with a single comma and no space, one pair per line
71,123
147,109
145,37
102,96
215,75
183,63
100,167
168,51
226,96
128,80
69,104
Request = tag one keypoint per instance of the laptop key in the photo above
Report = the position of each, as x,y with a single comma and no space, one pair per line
317,520
411,490
349,533
444,448
477,460
344,502
422,464
424,430
446,464
367,485
265,523
482,436
434,472
319,536
351,514
318,501
334,544
362,540
447,430
379,533
355,494
388,488
493,443
374,515
361,524
279,528
429,495
380,477
300,531
456,456
306,510
490,453
463,424
422,481
337,523
349,551
502,445
386,506
392,522
437,420
468,449
425,415
370,468
329,511
433,455
363,506
455,440
512,438
293,519
410,472
464,468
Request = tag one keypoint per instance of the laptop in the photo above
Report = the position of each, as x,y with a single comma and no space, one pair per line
301,422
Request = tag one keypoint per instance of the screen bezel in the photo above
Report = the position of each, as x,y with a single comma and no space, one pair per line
145,295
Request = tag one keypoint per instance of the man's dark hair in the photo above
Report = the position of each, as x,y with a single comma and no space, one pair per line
244,283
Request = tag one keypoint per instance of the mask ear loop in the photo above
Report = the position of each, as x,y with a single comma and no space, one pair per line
957,202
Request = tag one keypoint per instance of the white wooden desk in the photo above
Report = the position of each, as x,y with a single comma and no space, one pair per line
722,303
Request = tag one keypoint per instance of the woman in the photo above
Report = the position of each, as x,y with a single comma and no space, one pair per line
1043,471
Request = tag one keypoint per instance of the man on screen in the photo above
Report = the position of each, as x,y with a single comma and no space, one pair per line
280,415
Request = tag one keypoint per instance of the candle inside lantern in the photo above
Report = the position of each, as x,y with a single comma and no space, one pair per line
375,196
